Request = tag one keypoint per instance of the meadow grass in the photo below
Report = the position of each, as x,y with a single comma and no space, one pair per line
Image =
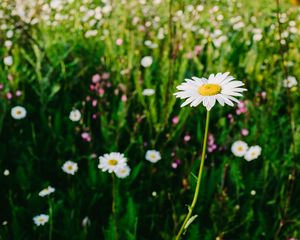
86,55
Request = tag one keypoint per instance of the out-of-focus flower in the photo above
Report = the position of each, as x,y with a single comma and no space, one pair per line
123,172
290,82
244,132
46,191
252,153
239,148
146,61
187,138
6,172
211,143
148,92
70,167
75,115
18,93
119,41
86,136
153,156
241,108
41,219
111,162
8,60
86,222
18,112
175,120
96,78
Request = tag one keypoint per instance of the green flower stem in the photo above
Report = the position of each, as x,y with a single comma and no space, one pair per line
114,212
51,219
191,208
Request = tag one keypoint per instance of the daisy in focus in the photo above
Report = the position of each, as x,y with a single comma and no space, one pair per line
220,87
239,148
70,167
112,162
18,112
253,153
153,156
46,191
41,219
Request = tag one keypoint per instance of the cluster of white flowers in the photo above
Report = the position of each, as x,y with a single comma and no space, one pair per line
290,82
241,149
116,163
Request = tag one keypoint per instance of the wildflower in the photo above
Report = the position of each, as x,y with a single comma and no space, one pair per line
290,82
70,167
8,61
153,156
111,162
211,143
148,92
187,138
6,172
86,222
75,115
220,87
253,192
46,191
123,172
96,78
86,137
119,41
244,132
18,112
175,120
146,61
253,153
239,148
41,219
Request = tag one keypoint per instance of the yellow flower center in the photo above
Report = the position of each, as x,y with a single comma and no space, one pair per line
153,155
240,148
18,112
209,89
112,162
70,167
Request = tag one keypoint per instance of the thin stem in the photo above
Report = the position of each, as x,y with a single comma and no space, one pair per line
114,206
191,208
51,219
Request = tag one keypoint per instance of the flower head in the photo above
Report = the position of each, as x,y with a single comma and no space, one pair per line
111,162
220,87
239,148
46,191
153,156
41,219
253,153
18,112
75,115
146,61
290,82
148,92
70,167
123,172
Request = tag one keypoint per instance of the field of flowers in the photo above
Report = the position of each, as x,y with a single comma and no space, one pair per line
109,108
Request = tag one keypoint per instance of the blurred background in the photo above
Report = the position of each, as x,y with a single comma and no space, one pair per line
81,78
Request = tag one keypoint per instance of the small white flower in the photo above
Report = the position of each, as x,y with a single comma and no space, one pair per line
8,43
41,219
290,82
9,33
148,92
239,148
111,162
220,87
86,222
75,115
123,172
70,167
253,153
46,191
153,156
18,112
146,61
253,192
8,60
6,172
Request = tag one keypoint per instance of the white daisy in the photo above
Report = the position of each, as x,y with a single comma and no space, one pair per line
290,82
146,61
253,153
123,172
41,219
8,60
220,87
75,115
148,92
18,112
153,156
239,148
46,191
70,167
111,162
